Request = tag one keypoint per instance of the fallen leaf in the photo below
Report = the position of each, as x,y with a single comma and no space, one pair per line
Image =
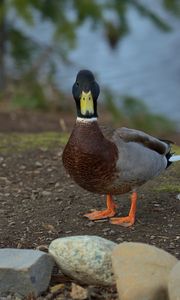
56,288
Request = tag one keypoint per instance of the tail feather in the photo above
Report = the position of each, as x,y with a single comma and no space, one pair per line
174,158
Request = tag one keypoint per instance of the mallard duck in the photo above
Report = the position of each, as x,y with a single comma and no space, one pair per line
107,161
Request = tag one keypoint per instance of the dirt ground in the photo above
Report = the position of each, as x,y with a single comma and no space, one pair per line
39,202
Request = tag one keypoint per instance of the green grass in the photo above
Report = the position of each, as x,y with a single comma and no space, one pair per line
22,142
176,149
170,180
168,187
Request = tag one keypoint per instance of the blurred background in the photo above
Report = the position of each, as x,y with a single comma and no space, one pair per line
132,46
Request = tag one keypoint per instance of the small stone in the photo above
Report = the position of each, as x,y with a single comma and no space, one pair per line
174,283
87,259
43,248
78,292
36,172
46,193
178,197
105,229
22,167
57,184
38,164
119,239
141,271
1,159
24,271
12,223
90,224
49,227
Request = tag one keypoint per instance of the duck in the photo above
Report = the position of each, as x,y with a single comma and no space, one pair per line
110,161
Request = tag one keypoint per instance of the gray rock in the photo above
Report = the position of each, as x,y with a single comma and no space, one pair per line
24,271
141,271
87,259
174,283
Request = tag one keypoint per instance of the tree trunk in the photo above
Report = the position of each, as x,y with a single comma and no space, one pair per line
2,48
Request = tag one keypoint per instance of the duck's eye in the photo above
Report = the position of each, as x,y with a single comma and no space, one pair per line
77,83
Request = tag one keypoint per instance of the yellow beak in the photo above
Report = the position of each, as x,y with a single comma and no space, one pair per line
86,103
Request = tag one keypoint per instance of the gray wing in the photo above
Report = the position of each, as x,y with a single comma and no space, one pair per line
133,135
141,156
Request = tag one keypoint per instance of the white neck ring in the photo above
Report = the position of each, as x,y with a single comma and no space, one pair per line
86,120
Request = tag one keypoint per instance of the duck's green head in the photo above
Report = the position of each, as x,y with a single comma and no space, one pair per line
85,92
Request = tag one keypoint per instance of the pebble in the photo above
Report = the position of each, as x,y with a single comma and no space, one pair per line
87,259
57,184
1,159
141,271
178,196
46,193
78,292
38,164
22,167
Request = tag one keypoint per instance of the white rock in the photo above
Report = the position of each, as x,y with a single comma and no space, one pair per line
87,259
178,197
24,271
174,283
141,271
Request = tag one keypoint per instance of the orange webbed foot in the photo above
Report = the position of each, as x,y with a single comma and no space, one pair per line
123,221
130,219
97,215
107,213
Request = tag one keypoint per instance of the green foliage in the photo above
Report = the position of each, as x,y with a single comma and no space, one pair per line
23,100
22,48
65,17
29,94
140,117
65,24
132,112
132,106
23,10
88,9
172,6
112,107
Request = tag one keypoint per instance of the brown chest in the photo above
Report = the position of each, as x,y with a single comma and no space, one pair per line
90,159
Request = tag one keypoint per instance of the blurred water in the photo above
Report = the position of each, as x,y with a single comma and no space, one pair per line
146,63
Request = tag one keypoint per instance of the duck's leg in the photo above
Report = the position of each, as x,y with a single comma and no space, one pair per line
130,219
107,213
